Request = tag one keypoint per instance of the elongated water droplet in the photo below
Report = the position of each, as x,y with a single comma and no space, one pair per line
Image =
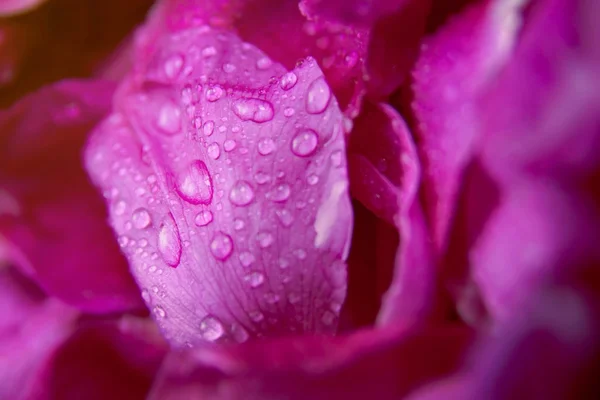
265,239
255,279
211,329
229,145
214,93
119,208
262,177
253,110
159,312
169,241
305,143
317,96
221,246
173,66
195,184
208,128
241,193
285,217
141,218
214,151
169,119
239,334
203,218
288,80
281,193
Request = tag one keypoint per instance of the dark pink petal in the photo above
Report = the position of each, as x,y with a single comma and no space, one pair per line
228,190
30,328
454,65
110,359
353,12
54,221
541,116
385,175
382,364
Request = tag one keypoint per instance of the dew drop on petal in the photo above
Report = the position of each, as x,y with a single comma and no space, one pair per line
208,128
281,193
305,143
159,312
289,111
173,66
255,279
265,239
169,241
238,224
221,246
317,96
229,145
253,110
211,329
266,146
241,193
312,180
119,208
203,218
262,177
239,333
263,63
328,318
285,217
288,80
214,151
169,119
194,185
336,158
214,93
141,218
246,258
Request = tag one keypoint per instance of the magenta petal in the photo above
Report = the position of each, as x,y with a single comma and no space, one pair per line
354,12
542,113
31,327
454,65
232,203
51,216
382,364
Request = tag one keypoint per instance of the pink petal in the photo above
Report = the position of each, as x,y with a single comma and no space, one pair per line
386,364
12,7
454,65
56,225
232,206
110,359
353,12
31,327
541,115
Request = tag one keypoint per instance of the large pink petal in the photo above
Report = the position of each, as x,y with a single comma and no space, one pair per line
542,115
228,190
52,218
454,65
382,364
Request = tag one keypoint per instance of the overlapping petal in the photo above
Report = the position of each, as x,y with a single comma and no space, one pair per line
229,190
386,364
53,220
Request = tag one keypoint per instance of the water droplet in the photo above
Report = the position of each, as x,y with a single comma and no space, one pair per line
208,128
253,110
141,218
229,145
336,158
195,184
214,93
283,263
209,51
328,318
169,241
255,279
263,63
197,122
271,298
203,218
169,118
159,312
239,334
289,111
281,193
266,146
317,96
305,143
238,224
146,296
221,246
285,217
300,254
186,94
265,239
211,329
214,151
256,316
123,241
246,258
119,208
261,178
241,193
173,66
229,68
312,180
288,80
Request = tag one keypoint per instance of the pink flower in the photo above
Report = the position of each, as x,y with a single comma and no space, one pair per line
268,199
